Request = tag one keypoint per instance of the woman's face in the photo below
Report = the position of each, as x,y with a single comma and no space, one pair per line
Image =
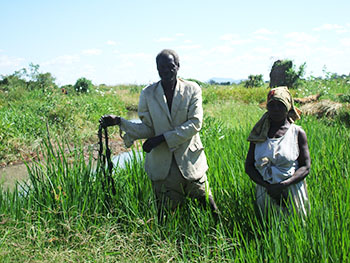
277,110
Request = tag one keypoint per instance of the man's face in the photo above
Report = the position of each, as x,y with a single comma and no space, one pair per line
167,68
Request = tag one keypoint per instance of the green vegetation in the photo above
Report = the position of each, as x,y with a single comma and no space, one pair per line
65,214
27,108
214,94
254,81
83,85
284,73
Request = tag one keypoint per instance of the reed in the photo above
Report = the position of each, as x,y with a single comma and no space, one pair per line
66,200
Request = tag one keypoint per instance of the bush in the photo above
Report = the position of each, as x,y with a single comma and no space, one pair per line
254,81
30,79
12,81
345,98
83,85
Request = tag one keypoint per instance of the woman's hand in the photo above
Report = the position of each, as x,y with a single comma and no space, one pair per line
277,191
109,120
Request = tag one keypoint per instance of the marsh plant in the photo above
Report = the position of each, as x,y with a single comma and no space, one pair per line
66,201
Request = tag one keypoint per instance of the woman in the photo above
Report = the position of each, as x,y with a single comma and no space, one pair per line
278,159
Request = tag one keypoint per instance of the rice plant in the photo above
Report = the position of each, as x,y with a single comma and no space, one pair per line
67,200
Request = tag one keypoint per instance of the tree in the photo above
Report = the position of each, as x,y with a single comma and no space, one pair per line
29,78
284,73
44,80
254,81
83,85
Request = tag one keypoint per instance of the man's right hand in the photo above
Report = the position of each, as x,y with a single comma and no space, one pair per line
109,120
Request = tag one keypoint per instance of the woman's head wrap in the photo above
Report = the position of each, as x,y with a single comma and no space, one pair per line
261,128
283,95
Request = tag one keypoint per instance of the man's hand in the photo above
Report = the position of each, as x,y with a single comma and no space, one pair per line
153,142
109,120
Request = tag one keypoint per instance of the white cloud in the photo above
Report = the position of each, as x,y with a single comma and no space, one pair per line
188,47
235,39
62,60
263,34
300,38
262,50
229,37
136,56
261,37
88,70
330,52
111,43
264,31
164,39
92,51
345,42
171,38
333,27
6,61
247,58
223,49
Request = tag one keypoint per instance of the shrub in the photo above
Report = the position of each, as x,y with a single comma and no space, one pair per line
254,81
345,98
83,85
30,79
11,81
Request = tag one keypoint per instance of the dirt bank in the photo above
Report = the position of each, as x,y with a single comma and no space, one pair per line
17,171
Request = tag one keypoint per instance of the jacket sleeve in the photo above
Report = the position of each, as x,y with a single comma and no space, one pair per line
134,131
192,126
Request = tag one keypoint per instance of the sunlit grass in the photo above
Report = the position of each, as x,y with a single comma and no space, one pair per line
65,212
66,202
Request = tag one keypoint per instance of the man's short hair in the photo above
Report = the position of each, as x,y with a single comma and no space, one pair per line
167,52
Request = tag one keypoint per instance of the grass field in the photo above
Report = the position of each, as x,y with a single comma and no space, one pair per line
65,214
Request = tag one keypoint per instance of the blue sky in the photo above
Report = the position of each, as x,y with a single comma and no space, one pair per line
116,42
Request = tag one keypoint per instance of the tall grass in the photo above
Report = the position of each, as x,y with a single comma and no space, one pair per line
329,88
215,93
25,113
63,199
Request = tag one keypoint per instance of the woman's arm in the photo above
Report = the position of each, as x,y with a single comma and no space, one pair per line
304,161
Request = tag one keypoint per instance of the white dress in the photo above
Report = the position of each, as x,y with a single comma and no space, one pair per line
276,161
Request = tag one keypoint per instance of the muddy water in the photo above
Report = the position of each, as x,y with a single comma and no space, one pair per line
11,174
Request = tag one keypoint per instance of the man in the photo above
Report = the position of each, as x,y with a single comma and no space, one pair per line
171,116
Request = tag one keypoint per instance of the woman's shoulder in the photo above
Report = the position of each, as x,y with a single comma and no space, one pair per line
297,127
300,132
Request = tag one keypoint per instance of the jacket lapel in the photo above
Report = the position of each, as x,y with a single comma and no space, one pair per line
177,98
160,97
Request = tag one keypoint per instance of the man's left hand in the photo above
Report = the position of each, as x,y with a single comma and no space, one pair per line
153,142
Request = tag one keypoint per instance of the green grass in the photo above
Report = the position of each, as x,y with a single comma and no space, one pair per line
215,93
65,214
24,115
333,89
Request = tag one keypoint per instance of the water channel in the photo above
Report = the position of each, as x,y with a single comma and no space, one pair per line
9,175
